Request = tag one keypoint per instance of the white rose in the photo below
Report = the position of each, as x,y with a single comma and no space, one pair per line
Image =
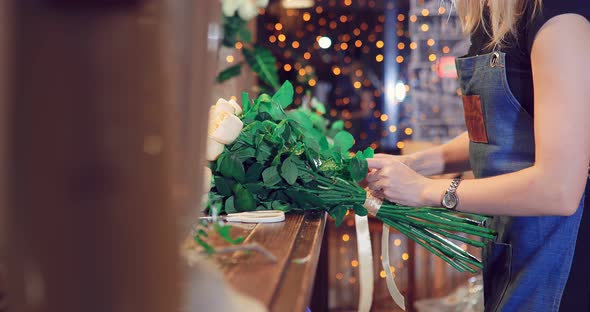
214,149
262,3
248,10
229,7
225,127
230,106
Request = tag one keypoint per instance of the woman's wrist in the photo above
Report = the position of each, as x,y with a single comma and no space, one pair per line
433,192
428,163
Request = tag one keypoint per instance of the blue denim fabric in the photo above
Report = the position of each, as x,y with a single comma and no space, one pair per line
527,266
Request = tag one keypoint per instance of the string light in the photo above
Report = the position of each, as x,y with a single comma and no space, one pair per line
319,10
425,12
413,18
339,276
430,42
306,17
405,256
357,85
279,26
413,45
272,39
424,27
379,58
358,43
392,128
408,131
397,242
441,10
347,2
307,55
384,117
343,19
333,25
322,22
295,44
399,59
379,44
287,67
311,82
432,57
401,17
401,45
345,237
229,59
301,72
356,32
344,46
400,144
446,49
282,38
336,70
239,45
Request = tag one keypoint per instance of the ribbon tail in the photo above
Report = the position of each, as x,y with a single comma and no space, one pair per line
394,292
365,254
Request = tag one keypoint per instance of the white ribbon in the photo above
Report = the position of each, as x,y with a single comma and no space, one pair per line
391,286
365,254
373,204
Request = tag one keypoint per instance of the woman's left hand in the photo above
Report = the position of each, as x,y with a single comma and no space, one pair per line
396,182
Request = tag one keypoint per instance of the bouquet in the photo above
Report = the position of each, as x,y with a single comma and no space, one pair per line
264,157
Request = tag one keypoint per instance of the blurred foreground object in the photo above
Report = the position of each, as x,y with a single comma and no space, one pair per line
101,153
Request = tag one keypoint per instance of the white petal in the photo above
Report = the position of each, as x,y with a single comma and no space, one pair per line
262,3
237,108
207,176
214,149
225,128
230,106
247,10
229,7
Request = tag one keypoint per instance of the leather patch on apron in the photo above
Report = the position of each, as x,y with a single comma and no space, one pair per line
474,120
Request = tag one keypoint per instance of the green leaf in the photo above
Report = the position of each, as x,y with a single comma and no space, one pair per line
245,102
264,152
229,73
225,232
338,213
208,248
284,96
230,205
289,171
233,30
359,210
343,141
338,125
270,176
255,188
232,167
358,167
223,185
281,205
369,152
254,171
244,200
301,119
245,34
263,63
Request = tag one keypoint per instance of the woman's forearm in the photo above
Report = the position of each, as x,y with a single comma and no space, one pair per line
528,192
447,158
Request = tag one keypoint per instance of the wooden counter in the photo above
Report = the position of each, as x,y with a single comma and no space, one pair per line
288,283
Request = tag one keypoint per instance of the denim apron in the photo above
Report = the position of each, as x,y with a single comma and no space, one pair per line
527,266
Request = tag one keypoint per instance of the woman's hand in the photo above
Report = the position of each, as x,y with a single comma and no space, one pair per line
392,179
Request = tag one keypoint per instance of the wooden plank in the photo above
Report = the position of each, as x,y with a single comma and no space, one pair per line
295,289
257,276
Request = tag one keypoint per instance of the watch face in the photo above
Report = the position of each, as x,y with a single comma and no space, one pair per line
449,200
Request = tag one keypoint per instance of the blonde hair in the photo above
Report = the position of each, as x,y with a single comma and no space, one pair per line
504,16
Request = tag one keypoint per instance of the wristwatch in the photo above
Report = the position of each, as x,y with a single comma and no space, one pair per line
450,199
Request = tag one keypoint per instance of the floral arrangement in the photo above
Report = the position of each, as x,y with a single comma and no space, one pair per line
264,157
